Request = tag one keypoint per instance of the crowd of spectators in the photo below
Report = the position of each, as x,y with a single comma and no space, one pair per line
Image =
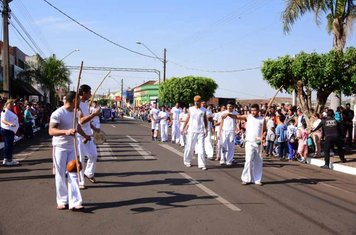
32,115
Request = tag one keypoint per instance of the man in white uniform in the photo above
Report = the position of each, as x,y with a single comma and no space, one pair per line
255,130
86,147
163,122
227,136
197,129
176,111
61,128
153,115
182,118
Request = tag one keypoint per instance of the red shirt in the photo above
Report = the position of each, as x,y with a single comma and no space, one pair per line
18,112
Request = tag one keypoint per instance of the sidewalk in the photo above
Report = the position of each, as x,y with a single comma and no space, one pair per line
348,167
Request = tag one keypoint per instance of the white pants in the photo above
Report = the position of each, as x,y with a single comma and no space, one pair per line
182,138
208,147
227,147
89,150
175,131
164,131
66,194
194,139
252,172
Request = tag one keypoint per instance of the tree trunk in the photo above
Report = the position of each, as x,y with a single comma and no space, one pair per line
309,98
339,34
303,102
321,97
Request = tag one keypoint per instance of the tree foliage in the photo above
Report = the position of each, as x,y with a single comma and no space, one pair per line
339,15
182,90
324,73
50,73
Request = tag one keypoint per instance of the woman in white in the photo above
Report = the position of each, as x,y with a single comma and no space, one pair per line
182,118
255,129
9,127
163,117
176,111
227,136
197,129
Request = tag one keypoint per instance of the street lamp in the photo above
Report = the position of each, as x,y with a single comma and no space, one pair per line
164,60
75,50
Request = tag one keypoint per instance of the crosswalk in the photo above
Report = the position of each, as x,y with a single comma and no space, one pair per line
123,148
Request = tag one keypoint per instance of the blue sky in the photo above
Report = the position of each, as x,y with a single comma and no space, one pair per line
208,35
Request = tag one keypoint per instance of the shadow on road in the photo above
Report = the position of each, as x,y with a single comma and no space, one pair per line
299,181
168,181
170,201
132,173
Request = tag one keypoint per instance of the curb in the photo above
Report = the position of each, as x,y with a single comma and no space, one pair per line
132,118
333,166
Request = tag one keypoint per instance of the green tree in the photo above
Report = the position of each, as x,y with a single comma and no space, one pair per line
340,15
304,73
50,73
183,90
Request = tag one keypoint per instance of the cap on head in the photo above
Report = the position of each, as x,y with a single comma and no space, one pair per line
197,98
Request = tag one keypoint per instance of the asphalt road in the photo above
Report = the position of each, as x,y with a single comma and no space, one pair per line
144,188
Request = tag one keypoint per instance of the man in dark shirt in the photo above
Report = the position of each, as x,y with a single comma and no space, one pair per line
332,136
347,116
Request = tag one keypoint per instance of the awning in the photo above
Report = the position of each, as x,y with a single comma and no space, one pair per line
21,88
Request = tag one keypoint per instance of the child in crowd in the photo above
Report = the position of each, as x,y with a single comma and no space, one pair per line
303,143
271,137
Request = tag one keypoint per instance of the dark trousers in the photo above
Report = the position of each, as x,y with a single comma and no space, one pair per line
282,149
269,147
348,131
28,130
8,142
329,143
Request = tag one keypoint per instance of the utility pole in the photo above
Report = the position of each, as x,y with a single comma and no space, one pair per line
164,64
5,53
122,93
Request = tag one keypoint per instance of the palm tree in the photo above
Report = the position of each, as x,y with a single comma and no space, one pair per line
50,73
340,15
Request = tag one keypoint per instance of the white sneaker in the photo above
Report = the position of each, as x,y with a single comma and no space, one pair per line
11,163
203,169
187,165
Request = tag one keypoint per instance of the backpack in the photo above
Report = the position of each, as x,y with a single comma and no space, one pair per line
292,139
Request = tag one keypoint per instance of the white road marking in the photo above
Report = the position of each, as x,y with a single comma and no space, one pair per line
199,185
132,139
211,193
170,148
113,126
26,155
145,154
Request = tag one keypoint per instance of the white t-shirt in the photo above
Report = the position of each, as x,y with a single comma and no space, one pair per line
9,116
163,117
209,114
175,113
229,123
253,128
84,107
217,118
64,119
96,120
196,120
183,117
154,114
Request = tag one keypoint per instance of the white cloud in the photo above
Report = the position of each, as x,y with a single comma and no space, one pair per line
58,23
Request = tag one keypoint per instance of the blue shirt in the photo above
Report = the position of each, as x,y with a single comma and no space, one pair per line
281,132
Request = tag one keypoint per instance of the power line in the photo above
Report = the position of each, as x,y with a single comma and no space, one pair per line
97,34
215,71
20,6
27,34
19,33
